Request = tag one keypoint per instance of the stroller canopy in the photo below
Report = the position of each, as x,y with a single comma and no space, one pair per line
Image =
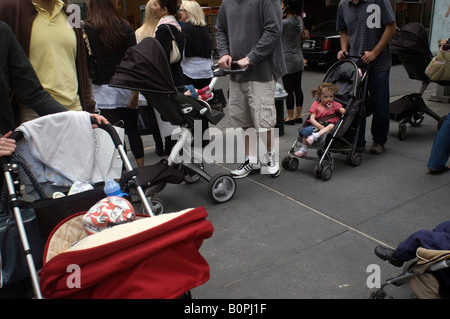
144,68
345,75
412,39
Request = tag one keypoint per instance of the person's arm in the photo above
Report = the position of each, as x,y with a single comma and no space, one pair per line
222,40
272,33
23,80
344,45
389,31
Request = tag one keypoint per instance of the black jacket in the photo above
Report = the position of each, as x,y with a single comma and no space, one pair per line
107,60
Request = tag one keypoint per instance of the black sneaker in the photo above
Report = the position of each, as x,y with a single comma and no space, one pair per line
245,168
385,254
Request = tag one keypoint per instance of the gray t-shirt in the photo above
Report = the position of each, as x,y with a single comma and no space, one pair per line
252,28
365,23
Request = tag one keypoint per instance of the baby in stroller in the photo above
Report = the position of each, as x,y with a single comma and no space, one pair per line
325,113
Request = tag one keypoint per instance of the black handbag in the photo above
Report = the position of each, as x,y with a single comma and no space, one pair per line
13,263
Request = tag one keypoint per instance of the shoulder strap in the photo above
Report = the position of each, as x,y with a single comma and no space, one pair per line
170,31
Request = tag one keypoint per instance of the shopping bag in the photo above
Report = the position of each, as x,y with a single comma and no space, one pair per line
106,154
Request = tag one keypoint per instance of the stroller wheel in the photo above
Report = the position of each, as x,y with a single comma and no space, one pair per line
156,205
401,131
293,164
190,176
285,162
318,171
221,188
416,119
354,160
327,172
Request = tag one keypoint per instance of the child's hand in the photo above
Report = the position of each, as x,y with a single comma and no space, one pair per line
342,110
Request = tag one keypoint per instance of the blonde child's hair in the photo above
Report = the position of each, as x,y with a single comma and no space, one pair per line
325,87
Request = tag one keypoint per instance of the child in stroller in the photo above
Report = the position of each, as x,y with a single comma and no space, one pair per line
429,276
324,114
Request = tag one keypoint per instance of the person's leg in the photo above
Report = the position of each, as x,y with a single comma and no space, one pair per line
298,92
290,99
379,91
440,151
130,118
262,104
239,116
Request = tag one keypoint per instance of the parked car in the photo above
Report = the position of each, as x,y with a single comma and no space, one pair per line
323,45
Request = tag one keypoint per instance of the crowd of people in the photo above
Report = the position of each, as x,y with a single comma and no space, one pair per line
37,45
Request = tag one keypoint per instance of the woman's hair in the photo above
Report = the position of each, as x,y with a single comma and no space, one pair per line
293,6
105,21
172,7
150,22
325,87
195,13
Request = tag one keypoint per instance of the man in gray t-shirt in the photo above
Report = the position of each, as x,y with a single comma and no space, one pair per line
366,28
249,32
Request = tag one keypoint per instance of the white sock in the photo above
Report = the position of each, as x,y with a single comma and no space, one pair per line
252,159
316,136
304,148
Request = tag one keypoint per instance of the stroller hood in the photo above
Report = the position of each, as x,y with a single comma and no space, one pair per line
345,75
150,258
412,39
144,68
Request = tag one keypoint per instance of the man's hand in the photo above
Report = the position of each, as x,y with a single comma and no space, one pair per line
225,62
342,55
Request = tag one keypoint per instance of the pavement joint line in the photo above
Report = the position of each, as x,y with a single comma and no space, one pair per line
314,210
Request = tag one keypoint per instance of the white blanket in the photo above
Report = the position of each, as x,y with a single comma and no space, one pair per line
65,142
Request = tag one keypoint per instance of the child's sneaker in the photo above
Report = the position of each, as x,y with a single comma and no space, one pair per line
245,168
301,153
311,139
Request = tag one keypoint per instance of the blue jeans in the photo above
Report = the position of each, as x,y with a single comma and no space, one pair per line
378,87
440,152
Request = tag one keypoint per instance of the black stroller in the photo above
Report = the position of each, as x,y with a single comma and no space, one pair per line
145,68
352,87
412,47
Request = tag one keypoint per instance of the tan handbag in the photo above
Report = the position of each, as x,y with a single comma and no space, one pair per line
175,54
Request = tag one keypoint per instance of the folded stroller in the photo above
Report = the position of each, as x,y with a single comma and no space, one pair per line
421,276
343,138
145,68
50,212
411,46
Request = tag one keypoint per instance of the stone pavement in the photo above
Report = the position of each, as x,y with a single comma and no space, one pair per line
298,237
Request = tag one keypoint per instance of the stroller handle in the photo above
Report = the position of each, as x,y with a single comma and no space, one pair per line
111,131
234,69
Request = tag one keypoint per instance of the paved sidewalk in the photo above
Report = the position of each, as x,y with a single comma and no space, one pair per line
296,236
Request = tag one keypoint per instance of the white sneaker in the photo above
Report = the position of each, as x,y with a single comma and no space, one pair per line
273,167
245,168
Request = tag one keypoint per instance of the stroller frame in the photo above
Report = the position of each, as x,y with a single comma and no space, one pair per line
324,169
411,46
411,270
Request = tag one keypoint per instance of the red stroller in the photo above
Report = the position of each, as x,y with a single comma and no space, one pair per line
168,244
